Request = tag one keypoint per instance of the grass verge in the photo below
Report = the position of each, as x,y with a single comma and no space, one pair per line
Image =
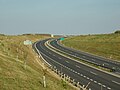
13,75
106,45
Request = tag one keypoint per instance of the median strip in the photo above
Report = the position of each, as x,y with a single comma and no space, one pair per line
95,65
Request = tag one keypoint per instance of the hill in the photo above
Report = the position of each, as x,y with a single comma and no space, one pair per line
14,75
105,45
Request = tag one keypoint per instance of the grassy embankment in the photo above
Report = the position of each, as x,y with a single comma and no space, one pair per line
105,45
13,75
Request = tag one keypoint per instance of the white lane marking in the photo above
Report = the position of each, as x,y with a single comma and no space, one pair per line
77,66
84,76
93,73
116,82
103,85
88,78
75,72
81,75
108,88
67,61
91,79
95,81
99,83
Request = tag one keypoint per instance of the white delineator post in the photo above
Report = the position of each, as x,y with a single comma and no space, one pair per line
44,82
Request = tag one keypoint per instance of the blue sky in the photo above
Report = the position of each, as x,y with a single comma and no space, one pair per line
59,16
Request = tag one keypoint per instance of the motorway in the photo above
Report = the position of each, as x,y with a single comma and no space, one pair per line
103,62
79,72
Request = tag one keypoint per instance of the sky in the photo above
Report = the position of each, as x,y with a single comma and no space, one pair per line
66,17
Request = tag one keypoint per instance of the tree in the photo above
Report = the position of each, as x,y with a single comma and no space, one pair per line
117,32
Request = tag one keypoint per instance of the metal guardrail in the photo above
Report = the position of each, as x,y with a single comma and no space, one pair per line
61,74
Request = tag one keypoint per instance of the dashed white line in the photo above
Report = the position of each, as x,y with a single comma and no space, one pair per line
75,72
91,79
93,73
77,66
95,81
103,85
99,83
108,88
81,75
88,78
116,82
90,72
67,61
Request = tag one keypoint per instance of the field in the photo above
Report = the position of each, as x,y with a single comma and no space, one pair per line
14,75
105,45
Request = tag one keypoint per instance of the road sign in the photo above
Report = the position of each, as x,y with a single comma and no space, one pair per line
62,39
27,42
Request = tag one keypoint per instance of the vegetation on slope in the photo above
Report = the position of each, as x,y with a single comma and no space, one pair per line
106,45
14,76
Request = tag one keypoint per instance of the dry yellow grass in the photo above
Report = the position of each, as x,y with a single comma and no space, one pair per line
13,75
106,45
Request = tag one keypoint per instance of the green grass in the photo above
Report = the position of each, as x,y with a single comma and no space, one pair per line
106,45
13,75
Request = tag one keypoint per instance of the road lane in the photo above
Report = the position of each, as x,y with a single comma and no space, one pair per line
88,57
82,74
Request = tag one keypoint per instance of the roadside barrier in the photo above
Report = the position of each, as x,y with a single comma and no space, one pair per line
68,79
61,74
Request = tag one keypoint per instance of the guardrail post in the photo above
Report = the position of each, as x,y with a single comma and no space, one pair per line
69,79
44,82
73,81
55,70
78,84
61,75
66,78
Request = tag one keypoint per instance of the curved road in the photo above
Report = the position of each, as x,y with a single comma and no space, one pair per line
88,57
80,72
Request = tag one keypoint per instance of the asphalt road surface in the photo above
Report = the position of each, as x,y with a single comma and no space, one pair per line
88,57
84,74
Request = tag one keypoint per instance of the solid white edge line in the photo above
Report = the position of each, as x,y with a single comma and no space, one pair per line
40,54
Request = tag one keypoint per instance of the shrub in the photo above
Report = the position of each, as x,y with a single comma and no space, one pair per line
117,32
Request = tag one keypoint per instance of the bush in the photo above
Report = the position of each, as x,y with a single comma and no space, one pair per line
117,32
